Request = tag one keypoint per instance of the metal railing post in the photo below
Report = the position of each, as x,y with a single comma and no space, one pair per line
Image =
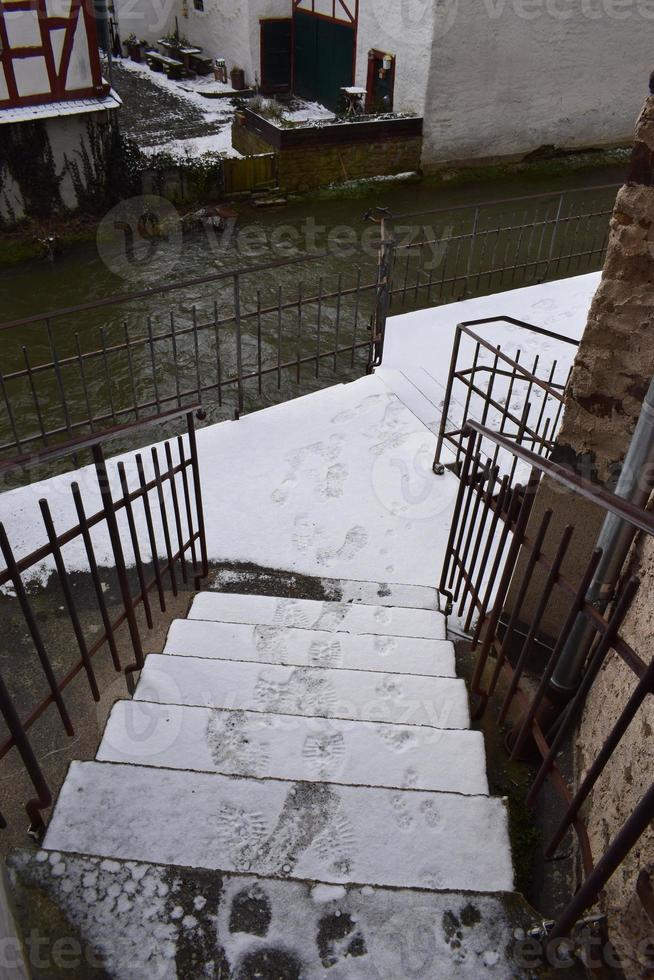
385,265
119,556
239,339
197,486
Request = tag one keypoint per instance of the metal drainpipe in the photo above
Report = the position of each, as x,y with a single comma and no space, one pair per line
615,539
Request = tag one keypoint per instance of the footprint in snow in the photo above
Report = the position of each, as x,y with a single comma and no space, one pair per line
332,486
355,539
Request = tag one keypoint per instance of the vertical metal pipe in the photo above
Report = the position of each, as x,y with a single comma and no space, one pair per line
196,354
35,397
107,374
95,575
136,547
199,508
298,361
163,513
153,364
58,377
24,748
130,368
319,326
615,539
176,511
149,523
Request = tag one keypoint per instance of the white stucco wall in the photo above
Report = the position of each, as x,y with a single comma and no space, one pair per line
504,84
224,29
403,29
493,78
67,135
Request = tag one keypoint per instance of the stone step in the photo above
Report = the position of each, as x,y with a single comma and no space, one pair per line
411,388
233,578
357,695
245,743
260,610
310,648
144,921
317,831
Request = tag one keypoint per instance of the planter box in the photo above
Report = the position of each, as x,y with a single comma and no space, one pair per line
333,134
315,156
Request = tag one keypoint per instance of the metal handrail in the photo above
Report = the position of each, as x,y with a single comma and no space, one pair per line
119,298
181,519
505,563
641,519
518,371
52,453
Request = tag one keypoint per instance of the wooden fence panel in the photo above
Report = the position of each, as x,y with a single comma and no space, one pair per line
249,173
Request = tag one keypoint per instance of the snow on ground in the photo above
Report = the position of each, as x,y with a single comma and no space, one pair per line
220,142
338,482
174,116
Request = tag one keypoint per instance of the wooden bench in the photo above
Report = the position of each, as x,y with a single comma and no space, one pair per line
161,62
200,64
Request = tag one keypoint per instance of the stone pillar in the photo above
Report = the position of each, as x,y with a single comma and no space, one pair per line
611,374
615,361
612,369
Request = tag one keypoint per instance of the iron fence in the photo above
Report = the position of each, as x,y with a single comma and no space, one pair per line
242,339
160,500
221,348
492,544
478,249
517,398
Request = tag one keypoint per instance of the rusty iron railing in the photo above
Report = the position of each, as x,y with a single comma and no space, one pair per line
164,508
107,363
234,340
489,382
499,553
451,253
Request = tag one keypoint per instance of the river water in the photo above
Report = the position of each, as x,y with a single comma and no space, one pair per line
250,238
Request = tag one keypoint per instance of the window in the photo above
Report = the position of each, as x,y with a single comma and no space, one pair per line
198,4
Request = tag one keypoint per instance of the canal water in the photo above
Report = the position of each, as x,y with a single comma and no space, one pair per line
344,249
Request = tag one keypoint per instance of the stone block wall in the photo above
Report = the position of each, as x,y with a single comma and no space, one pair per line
306,169
247,142
331,156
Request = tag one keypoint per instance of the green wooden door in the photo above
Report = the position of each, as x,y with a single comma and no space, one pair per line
276,55
323,58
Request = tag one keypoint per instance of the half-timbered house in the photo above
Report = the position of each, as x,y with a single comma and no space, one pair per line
52,97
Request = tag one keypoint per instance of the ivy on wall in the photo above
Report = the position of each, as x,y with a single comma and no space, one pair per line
106,168
26,156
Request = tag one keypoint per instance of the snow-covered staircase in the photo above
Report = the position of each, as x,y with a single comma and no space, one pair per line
294,790
318,748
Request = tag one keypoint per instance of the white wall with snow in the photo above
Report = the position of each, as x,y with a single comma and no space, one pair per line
223,30
493,78
68,135
509,77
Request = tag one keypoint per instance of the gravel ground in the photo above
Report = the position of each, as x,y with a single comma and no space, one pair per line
160,113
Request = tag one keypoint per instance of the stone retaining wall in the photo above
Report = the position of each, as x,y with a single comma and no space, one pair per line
312,157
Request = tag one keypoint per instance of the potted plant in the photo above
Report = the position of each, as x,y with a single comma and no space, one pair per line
134,48
220,70
237,77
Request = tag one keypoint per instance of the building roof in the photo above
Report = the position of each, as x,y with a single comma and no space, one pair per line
71,107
